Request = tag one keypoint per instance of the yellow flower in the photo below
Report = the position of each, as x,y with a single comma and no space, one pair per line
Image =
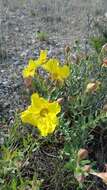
57,72
42,114
92,86
29,70
43,56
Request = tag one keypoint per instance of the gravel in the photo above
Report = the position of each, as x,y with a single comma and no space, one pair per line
63,22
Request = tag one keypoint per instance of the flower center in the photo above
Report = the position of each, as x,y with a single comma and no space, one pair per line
31,70
44,112
55,75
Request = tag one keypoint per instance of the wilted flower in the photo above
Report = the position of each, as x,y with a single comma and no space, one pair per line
57,72
102,175
92,86
42,114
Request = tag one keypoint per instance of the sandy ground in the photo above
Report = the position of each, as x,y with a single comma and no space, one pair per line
65,20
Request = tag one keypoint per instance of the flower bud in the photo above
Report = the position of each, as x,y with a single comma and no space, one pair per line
105,108
92,86
105,167
104,62
60,100
80,178
67,49
82,154
87,168
28,82
104,47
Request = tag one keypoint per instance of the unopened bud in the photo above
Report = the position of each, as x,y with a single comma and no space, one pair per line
104,47
105,108
28,82
87,168
80,178
60,100
105,167
67,49
105,61
82,154
93,86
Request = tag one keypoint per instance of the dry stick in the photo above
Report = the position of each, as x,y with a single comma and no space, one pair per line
50,155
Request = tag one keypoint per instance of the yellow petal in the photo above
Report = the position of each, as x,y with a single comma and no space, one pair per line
43,56
54,108
51,65
31,64
28,73
38,102
29,70
47,125
28,117
65,71
57,72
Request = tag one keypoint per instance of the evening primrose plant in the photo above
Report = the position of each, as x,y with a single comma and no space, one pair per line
83,90
49,144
